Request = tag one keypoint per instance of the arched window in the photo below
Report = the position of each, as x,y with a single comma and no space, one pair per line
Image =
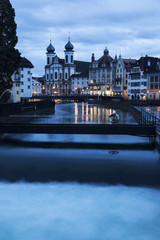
71,59
55,75
67,59
66,75
48,60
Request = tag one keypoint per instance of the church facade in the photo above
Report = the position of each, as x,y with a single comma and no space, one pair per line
58,71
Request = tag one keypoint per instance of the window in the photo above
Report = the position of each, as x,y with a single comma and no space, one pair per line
60,75
156,78
17,92
48,60
21,83
29,72
55,75
66,75
29,79
156,86
47,76
71,59
77,83
151,87
29,87
51,76
22,69
21,90
22,76
67,59
152,79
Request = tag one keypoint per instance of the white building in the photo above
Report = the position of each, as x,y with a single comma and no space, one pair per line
22,80
58,71
36,87
137,84
120,71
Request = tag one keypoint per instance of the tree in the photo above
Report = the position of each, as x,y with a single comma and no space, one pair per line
9,56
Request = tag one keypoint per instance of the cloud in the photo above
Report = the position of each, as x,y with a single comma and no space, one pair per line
129,27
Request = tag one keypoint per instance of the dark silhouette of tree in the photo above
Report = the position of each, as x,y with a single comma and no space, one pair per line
9,56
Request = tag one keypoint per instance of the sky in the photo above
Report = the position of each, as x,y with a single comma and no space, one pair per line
129,28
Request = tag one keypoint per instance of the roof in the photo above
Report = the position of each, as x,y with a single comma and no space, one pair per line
129,60
50,48
81,66
81,75
25,63
69,46
105,59
143,63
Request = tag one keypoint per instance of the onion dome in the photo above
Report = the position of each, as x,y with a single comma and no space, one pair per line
50,48
106,52
69,46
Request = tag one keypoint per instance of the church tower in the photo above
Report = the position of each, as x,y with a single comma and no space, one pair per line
50,54
69,53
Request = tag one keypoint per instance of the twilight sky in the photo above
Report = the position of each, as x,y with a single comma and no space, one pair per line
131,28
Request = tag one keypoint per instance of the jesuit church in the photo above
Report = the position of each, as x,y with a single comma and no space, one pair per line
58,71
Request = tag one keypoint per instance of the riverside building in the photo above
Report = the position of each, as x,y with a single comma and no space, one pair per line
58,71
22,80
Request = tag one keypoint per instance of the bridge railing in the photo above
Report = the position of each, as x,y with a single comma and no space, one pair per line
148,118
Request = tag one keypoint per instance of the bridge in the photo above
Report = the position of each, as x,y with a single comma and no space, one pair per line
116,129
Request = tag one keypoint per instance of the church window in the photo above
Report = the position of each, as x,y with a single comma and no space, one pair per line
67,59
55,75
48,60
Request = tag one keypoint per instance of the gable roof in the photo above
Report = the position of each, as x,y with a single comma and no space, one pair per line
25,63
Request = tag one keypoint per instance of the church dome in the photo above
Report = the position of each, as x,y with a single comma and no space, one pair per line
106,52
50,48
69,46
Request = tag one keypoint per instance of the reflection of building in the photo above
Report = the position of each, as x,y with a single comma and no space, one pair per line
58,71
36,86
22,80
100,75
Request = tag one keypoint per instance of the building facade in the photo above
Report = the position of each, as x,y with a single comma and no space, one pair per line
100,75
22,80
36,86
58,71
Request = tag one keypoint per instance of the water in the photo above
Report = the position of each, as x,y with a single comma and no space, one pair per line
83,198
72,211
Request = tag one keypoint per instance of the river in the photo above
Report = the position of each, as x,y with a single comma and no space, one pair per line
79,201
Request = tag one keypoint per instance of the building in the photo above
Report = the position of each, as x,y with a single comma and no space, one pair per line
58,71
36,86
100,75
22,80
120,70
79,83
137,84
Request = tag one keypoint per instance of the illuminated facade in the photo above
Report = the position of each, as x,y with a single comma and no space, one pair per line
58,71
100,75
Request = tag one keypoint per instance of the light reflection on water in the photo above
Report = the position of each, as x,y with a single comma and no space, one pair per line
84,113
